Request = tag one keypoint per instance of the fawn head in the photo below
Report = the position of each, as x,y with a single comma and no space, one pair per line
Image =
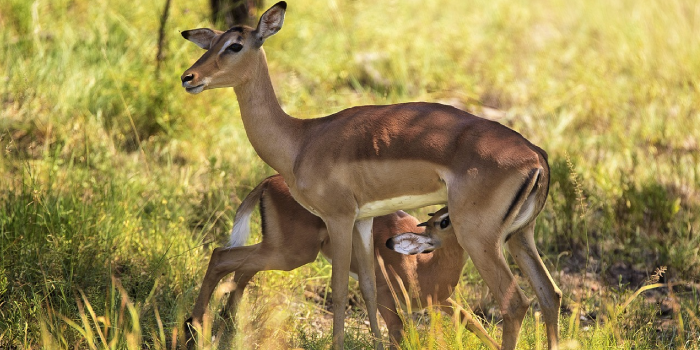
436,230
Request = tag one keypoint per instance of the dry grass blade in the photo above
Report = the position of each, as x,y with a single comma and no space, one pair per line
94,319
395,296
161,331
133,337
638,292
476,326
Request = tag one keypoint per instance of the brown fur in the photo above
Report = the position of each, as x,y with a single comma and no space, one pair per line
293,237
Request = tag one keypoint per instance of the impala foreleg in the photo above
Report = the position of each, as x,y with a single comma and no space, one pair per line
340,233
363,251
521,246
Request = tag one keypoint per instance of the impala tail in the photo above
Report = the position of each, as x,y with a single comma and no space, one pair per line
241,223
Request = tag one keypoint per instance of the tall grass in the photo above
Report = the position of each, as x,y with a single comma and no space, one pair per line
115,185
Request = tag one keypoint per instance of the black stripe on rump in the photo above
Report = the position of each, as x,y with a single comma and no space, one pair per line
263,221
520,195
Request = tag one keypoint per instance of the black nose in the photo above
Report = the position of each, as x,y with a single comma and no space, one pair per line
187,77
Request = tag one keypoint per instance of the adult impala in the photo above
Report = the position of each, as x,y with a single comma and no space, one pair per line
293,237
369,161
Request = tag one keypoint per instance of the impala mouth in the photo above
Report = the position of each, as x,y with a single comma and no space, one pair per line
193,89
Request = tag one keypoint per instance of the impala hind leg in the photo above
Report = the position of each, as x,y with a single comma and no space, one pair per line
222,262
234,299
479,232
513,304
521,246
245,262
363,251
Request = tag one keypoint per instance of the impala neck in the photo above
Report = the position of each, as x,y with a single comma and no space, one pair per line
271,131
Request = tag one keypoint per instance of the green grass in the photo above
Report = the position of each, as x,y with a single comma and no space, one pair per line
115,185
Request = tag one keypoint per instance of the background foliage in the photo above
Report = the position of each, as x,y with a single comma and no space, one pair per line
115,185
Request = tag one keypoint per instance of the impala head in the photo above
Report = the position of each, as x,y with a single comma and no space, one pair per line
436,229
231,55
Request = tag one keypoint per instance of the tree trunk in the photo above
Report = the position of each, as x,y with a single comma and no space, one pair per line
235,12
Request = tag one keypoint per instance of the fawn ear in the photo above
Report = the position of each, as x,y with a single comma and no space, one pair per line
410,243
203,37
270,22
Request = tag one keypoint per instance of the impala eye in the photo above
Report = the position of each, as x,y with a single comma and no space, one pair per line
445,222
234,47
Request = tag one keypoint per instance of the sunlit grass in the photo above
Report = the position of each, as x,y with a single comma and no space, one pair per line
115,184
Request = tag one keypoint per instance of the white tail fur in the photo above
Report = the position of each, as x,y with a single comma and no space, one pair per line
241,223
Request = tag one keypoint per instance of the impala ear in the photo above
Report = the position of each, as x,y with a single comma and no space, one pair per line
270,22
410,243
202,37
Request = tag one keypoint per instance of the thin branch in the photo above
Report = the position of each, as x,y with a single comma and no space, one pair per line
160,56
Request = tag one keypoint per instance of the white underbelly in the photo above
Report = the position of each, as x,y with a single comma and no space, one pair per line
390,205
